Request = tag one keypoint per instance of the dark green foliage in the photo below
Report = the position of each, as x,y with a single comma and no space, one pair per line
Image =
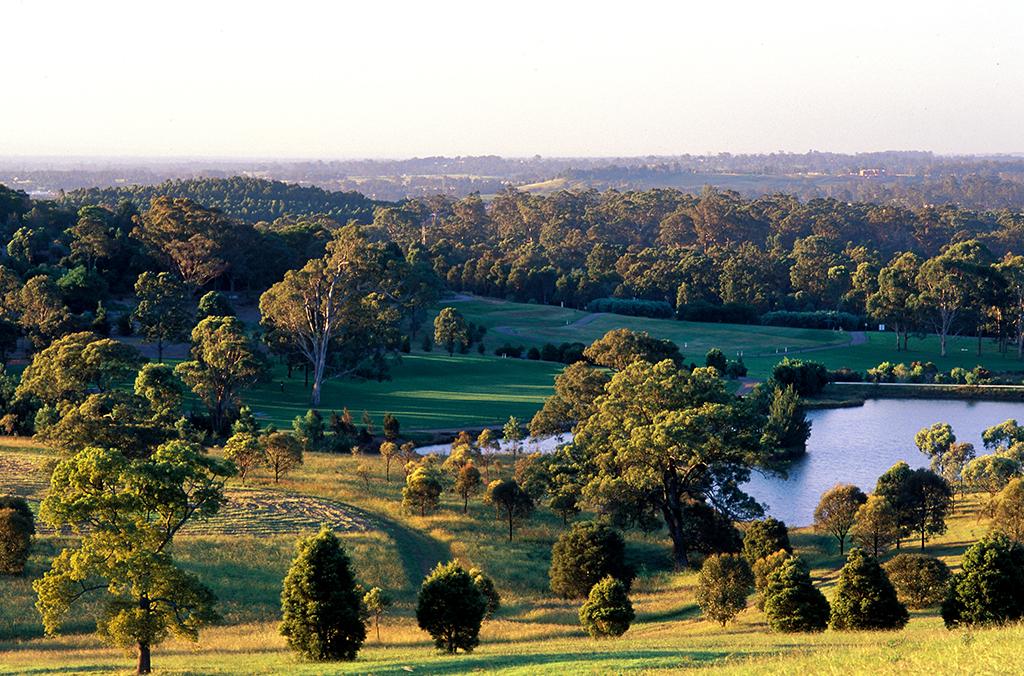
392,427
989,589
787,428
583,556
619,348
511,502
214,304
320,604
920,581
17,526
486,586
450,607
817,319
807,377
865,598
310,430
921,498
607,611
791,602
658,309
715,358
723,585
765,537
709,531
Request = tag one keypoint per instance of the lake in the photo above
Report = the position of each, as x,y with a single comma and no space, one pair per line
856,445
851,445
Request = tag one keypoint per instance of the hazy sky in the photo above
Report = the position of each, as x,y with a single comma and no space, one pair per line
388,79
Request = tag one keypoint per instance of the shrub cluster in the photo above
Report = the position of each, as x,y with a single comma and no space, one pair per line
634,307
729,313
17,526
817,319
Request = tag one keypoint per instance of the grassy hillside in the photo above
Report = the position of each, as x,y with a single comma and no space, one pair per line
533,633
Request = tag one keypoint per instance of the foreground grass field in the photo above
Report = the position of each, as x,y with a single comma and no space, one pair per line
533,633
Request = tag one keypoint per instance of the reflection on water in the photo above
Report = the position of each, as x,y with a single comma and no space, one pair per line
856,445
848,445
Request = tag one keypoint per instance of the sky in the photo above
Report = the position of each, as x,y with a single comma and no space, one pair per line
371,78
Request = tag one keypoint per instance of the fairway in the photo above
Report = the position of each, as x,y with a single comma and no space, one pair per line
427,391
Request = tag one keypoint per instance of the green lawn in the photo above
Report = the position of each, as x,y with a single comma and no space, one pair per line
426,391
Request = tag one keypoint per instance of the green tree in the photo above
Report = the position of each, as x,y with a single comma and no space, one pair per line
619,348
163,312
662,438
921,499
17,526
787,427
187,237
894,302
723,585
512,432
865,598
990,473
837,512
791,602
607,611
224,363
126,514
214,304
807,377
1008,511
715,359
989,589
509,500
422,490
576,389
311,430
389,450
450,330
486,586
162,390
920,581
320,607
282,453
948,286
467,484
451,608
583,556
338,311
377,603
765,537
72,365
42,314
246,451
876,526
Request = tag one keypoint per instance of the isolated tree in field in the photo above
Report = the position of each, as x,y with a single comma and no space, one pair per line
163,312
512,502
320,607
989,589
990,473
283,453
126,514
337,309
377,603
837,511
865,598
246,451
224,363
792,603
877,525
389,450
467,484
392,427
512,432
1008,511
921,499
920,581
583,556
450,330
946,286
619,348
723,585
662,438
607,611
451,608
422,491
765,537
895,302
486,586
17,526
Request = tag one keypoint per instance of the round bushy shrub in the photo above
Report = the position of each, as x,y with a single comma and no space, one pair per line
920,580
723,585
989,589
321,607
765,537
583,556
17,526
865,598
486,587
792,603
450,607
607,611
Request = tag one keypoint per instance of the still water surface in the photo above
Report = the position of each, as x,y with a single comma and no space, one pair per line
851,445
